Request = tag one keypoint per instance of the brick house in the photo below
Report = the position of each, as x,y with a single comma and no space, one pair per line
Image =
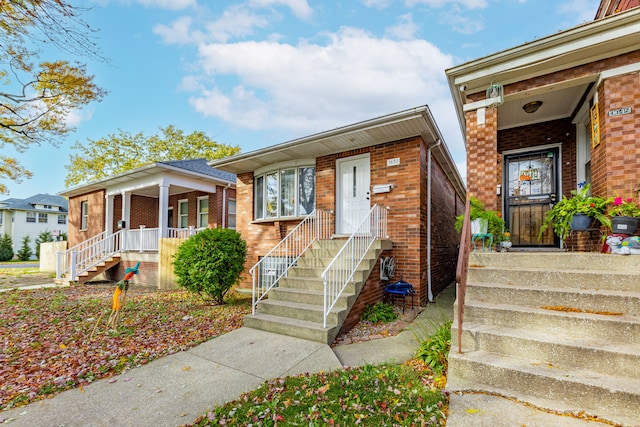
132,212
542,117
398,162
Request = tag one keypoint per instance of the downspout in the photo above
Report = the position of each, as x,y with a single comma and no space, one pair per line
429,291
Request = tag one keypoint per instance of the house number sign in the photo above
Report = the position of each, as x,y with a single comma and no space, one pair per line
393,162
619,111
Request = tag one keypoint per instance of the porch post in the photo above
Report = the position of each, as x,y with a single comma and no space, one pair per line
482,153
126,208
108,225
163,207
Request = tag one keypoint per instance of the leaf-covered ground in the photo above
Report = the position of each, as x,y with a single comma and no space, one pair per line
46,341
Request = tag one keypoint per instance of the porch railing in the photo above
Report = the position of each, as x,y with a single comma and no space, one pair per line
91,252
277,262
340,271
462,268
88,254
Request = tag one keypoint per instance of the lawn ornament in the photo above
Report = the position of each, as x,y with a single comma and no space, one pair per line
119,297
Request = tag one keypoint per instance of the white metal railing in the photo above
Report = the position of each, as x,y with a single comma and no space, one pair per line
343,266
91,252
82,257
276,263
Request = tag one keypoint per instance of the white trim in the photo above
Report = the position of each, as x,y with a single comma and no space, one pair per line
285,165
198,223
180,212
338,191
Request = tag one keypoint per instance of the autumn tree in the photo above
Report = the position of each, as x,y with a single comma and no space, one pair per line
36,98
119,153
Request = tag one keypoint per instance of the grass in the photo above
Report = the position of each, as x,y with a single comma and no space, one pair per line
409,394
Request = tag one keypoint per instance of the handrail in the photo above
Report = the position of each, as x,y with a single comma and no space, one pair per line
462,268
277,262
343,266
76,261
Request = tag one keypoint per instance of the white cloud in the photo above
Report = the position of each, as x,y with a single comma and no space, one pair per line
169,4
236,21
378,4
312,87
462,24
300,8
405,28
178,32
580,10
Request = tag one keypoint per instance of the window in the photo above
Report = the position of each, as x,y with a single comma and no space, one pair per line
62,219
47,206
231,214
183,213
43,217
31,217
286,192
84,220
203,211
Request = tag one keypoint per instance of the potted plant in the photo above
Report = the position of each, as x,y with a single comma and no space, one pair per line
490,221
625,215
567,214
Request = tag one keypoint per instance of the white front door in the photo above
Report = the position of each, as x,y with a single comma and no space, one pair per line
352,198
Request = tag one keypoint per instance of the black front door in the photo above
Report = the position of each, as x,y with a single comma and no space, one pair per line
531,183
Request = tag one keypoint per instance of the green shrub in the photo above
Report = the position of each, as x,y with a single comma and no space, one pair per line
434,351
6,248
210,262
379,312
25,252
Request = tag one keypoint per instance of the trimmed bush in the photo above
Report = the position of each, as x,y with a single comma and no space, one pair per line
211,262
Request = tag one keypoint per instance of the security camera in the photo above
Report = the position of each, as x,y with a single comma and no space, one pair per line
463,88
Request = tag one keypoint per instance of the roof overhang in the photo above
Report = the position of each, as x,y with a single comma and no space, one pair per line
604,38
393,127
143,181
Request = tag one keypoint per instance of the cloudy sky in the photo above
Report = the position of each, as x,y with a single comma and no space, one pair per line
260,72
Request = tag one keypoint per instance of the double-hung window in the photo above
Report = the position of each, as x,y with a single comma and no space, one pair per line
183,213
286,192
84,209
62,218
203,211
43,217
231,214
31,217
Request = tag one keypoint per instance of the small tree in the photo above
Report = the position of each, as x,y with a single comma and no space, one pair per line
43,237
210,262
25,252
6,248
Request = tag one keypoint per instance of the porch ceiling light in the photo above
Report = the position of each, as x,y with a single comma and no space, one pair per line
531,107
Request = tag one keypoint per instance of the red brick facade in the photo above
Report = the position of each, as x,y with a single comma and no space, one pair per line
407,217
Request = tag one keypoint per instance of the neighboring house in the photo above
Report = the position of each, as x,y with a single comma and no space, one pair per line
542,117
31,216
398,162
131,212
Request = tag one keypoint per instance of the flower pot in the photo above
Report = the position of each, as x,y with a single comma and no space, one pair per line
479,226
624,225
580,222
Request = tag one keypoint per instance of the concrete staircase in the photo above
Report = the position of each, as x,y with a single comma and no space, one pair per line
295,306
558,330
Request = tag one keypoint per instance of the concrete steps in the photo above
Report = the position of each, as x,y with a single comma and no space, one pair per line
295,306
558,330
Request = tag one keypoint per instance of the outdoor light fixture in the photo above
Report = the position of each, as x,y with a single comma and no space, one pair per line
531,107
495,95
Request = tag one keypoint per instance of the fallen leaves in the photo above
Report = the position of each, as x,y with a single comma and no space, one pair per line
578,310
45,345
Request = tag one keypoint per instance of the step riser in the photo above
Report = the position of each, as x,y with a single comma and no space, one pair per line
291,330
557,261
597,399
598,360
291,312
358,276
314,285
605,327
556,278
279,294
592,301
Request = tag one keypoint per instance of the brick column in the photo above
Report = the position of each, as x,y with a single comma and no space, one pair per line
482,152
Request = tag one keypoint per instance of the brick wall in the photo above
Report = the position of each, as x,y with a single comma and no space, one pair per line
96,204
620,136
481,157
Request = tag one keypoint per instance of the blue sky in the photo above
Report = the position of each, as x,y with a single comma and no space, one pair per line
260,72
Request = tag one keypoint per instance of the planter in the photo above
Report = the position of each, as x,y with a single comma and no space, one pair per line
624,225
505,245
479,226
580,222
